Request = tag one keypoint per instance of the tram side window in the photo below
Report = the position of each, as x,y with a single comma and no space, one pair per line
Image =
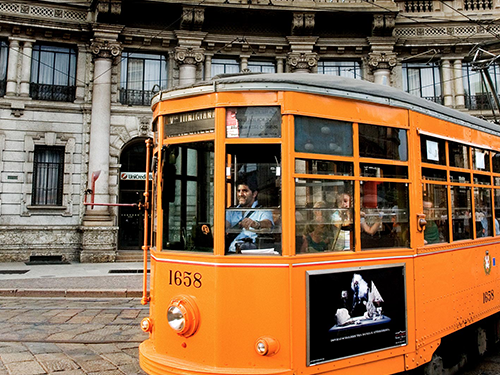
435,204
324,215
188,196
253,200
459,155
461,213
433,150
384,215
484,218
382,142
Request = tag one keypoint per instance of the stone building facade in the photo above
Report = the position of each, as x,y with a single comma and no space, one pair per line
76,78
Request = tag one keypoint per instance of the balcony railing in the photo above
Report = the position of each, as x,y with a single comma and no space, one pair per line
136,97
54,93
480,102
435,99
478,4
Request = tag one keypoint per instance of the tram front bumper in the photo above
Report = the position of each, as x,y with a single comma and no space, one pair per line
157,364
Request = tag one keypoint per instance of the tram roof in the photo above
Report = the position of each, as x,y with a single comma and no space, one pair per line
328,85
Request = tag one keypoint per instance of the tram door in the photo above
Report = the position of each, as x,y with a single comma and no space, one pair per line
132,178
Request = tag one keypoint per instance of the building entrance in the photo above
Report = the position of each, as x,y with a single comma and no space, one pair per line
132,177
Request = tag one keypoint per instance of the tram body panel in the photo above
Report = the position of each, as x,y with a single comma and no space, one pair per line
455,288
345,109
237,305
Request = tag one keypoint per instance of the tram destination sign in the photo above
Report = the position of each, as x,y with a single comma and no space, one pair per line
355,311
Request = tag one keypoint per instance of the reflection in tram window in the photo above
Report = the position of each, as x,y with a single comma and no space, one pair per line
253,216
459,155
382,142
324,167
187,196
481,159
384,215
324,216
435,204
320,136
433,150
484,218
461,212
253,122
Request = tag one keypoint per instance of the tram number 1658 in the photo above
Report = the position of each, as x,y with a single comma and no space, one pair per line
488,296
188,279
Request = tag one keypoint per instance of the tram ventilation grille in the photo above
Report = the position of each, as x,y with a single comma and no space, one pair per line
126,271
46,259
13,272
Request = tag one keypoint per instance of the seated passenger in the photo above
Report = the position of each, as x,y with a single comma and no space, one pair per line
431,231
246,222
342,220
317,234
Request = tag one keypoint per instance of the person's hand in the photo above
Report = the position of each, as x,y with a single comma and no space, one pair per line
249,223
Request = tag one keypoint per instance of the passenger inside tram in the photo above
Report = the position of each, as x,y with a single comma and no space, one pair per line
247,222
253,215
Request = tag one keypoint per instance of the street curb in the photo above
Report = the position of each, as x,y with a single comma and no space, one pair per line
71,293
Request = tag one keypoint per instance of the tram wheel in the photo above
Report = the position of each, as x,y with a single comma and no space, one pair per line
434,367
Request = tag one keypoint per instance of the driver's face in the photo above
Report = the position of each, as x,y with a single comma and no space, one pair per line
246,197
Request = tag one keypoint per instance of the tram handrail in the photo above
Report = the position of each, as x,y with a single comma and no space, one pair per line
145,247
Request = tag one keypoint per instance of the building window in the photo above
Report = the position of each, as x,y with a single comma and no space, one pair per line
48,173
225,66
477,91
351,69
261,66
142,75
424,80
4,50
53,73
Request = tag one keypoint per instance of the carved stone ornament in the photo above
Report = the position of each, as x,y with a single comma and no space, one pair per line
302,61
189,56
383,24
105,48
382,61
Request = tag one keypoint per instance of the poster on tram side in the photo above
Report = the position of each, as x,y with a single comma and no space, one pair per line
354,311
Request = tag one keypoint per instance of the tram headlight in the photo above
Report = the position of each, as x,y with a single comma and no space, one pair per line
183,315
267,346
176,318
146,325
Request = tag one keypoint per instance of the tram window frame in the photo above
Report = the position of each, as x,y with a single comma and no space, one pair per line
247,122
370,142
469,168
396,172
182,232
253,177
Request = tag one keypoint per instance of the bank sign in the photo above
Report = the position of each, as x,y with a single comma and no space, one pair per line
134,176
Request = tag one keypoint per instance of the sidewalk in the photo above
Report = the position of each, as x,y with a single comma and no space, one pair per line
72,280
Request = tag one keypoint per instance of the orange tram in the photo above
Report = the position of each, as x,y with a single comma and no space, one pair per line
306,224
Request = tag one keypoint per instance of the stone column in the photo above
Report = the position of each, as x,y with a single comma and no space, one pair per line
459,84
188,60
11,88
280,65
447,82
26,68
301,59
381,65
244,63
99,233
208,67
189,55
104,52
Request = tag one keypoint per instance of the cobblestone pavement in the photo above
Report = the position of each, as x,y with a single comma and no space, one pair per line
70,336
